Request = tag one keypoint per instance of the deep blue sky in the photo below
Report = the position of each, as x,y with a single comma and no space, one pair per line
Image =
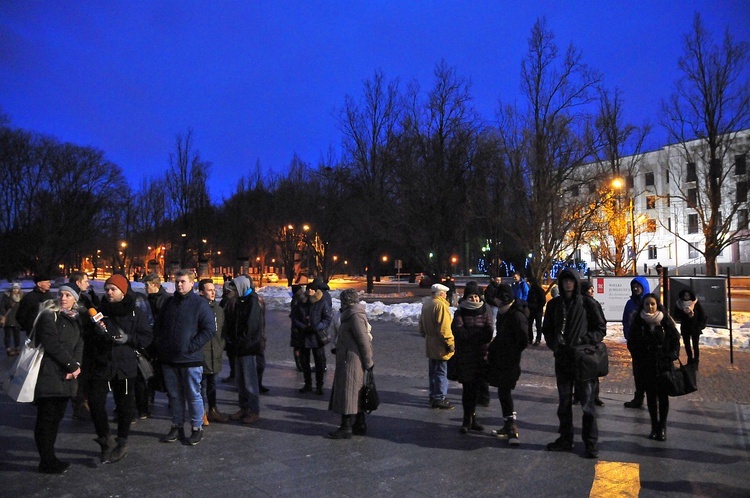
259,81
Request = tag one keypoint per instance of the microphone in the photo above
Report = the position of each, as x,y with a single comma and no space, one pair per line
98,319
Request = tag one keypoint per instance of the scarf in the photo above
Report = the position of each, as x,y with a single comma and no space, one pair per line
470,305
73,314
652,320
687,306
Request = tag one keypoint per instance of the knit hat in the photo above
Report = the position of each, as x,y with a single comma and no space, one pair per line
314,285
41,277
72,288
118,281
349,297
472,288
504,294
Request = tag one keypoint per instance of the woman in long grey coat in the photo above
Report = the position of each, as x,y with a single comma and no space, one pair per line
353,358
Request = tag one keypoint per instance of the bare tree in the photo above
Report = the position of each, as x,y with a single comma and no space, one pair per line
710,105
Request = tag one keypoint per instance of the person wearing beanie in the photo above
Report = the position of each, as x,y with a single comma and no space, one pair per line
505,356
184,326
353,359
435,326
114,365
312,316
472,330
28,308
243,326
570,320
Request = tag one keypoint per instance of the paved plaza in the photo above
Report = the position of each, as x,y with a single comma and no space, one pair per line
410,450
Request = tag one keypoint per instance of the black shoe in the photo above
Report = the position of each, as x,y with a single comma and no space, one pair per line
319,390
120,450
174,434
592,451
56,467
598,402
661,435
264,389
442,404
633,404
195,437
341,433
306,388
560,444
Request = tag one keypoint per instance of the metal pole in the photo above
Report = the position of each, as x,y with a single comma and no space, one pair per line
632,231
729,299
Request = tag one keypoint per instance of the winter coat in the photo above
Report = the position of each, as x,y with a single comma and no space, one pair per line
313,315
28,308
653,351
9,307
297,339
506,348
435,326
490,293
60,335
353,358
107,359
521,290
184,325
243,325
213,351
156,300
537,299
633,304
582,318
690,326
472,332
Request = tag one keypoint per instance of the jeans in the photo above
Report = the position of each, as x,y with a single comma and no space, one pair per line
246,373
585,392
184,385
438,371
319,355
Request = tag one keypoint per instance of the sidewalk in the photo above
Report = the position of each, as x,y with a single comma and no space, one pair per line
410,450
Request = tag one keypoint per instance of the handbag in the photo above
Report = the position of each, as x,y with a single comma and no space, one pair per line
21,383
144,366
452,368
679,381
323,336
369,399
591,361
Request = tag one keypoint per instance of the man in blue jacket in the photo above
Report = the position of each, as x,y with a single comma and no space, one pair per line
184,325
639,287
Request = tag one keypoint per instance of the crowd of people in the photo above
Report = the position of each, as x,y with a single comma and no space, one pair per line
94,346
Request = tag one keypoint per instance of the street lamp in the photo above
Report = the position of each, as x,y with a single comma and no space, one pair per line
619,184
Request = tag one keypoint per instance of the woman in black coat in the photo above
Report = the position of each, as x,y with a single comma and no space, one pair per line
654,344
689,312
472,330
58,330
505,356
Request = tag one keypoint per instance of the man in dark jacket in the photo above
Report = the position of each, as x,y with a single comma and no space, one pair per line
184,325
572,320
157,296
28,308
243,326
537,300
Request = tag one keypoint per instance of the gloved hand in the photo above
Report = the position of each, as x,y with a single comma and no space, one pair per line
122,339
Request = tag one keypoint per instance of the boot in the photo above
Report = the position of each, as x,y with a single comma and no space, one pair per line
206,422
513,431
360,427
662,434
306,388
654,430
107,444
503,433
120,450
476,426
214,415
345,431
466,425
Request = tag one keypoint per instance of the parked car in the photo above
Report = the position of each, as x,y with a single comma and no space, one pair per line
272,278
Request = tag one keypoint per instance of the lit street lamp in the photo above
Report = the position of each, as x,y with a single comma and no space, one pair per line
619,184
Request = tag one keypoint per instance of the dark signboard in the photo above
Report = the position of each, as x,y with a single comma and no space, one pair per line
710,291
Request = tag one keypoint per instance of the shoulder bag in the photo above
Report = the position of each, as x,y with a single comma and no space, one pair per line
679,381
21,383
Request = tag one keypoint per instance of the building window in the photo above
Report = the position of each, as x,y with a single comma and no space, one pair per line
669,224
692,197
692,175
666,176
574,190
692,223
740,164
741,192
650,179
650,202
716,167
630,181
693,252
651,252
668,197
592,188
651,225
742,219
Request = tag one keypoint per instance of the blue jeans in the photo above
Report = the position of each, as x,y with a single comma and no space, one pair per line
438,379
246,373
184,385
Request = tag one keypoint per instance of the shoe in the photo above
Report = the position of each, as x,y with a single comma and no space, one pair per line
662,434
341,433
306,388
81,412
592,451
195,437
513,439
264,390
175,433
215,415
120,450
476,426
251,418
560,444
598,402
107,445
442,404
144,415
633,404
206,423
501,433
319,390
464,429
239,415
56,467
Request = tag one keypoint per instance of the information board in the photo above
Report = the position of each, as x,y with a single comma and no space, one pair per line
614,292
